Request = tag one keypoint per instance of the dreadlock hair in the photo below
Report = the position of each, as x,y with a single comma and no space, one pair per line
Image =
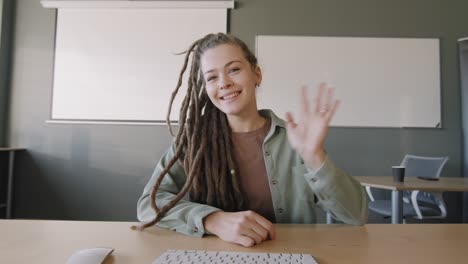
203,142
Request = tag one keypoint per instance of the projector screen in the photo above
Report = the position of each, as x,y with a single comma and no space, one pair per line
381,82
116,64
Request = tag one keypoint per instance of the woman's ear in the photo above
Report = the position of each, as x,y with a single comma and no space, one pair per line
258,76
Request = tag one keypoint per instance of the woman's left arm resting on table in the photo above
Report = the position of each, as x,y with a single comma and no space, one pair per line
338,193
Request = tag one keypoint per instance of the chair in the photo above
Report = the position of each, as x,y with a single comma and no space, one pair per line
416,204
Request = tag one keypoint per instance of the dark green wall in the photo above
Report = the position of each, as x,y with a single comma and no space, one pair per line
464,87
97,172
6,19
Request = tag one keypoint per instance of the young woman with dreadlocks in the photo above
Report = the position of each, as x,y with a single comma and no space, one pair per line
233,170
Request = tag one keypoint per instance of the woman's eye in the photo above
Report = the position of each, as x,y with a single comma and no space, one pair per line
210,78
233,69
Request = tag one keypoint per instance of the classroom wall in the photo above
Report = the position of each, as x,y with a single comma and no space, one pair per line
463,52
97,172
6,18
3,86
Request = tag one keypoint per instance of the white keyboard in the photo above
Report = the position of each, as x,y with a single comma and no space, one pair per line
225,257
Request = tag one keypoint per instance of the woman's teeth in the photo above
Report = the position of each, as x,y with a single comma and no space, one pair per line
231,96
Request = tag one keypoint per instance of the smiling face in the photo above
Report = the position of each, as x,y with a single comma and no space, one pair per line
230,80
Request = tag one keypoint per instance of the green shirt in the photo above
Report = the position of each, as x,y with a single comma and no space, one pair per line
292,185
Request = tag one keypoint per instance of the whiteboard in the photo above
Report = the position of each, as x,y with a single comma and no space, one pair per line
120,64
381,82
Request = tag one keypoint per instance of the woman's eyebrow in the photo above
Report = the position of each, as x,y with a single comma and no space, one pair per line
225,66
231,62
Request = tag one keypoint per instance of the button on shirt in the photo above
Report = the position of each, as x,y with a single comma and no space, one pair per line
293,194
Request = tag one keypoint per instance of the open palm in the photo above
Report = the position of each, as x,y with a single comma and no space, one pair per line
308,134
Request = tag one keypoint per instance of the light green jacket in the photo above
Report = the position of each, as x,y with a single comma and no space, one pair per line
292,185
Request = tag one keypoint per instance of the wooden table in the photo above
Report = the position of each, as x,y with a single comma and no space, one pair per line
444,184
45,241
11,164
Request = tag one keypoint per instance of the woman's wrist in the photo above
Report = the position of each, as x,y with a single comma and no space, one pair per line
314,160
209,222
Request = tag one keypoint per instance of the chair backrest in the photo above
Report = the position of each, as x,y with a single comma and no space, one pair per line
423,166
426,167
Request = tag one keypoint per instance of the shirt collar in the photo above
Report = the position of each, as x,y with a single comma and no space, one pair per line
275,120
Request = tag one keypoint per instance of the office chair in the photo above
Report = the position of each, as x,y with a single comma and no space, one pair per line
416,204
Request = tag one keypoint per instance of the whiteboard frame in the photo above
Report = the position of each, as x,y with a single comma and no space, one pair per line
138,4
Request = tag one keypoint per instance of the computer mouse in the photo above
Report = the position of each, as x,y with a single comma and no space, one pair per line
90,256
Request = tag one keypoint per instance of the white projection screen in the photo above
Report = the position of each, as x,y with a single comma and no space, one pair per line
117,64
381,82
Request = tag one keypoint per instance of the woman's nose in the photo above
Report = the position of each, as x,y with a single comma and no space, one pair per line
224,81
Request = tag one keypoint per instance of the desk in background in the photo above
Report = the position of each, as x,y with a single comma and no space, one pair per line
11,164
44,241
444,184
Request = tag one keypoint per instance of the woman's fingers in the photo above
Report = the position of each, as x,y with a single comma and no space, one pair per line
255,227
290,120
266,225
251,232
304,101
329,114
317,101
322,103
328,99
246,228
244,241
259,230
255,223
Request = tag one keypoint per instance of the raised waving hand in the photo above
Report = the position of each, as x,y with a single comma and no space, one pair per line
307,134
